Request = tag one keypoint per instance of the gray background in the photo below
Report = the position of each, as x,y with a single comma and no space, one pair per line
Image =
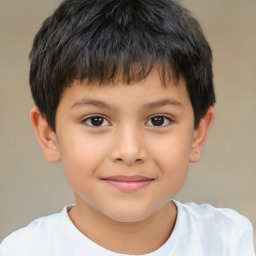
30,187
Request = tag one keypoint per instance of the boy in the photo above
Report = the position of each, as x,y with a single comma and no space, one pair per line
124,98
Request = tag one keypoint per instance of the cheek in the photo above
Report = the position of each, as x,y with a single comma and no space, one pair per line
81,157
172,157
173,164
174,148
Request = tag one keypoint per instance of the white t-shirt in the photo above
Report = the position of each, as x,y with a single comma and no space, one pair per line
200,230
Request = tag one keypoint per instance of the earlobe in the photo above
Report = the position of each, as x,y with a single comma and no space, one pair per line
45,136
201,134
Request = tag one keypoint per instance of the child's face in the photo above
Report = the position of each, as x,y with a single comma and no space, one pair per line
126,148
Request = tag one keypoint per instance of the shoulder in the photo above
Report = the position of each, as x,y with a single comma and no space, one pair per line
209,212
34,235
226,227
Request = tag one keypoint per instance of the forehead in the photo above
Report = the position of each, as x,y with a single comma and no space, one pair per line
150,89
130,75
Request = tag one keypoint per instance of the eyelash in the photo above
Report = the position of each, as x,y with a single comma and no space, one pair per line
166,120
103,122
89,119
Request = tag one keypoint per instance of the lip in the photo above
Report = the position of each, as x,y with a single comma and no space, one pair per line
128,183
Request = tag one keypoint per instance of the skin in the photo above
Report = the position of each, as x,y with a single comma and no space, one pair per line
126,163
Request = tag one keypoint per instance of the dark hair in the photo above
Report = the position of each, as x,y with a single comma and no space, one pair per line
102,40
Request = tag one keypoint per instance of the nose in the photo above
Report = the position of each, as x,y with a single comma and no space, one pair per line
128,146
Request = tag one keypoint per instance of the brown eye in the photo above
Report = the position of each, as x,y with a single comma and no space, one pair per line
159,121
96,121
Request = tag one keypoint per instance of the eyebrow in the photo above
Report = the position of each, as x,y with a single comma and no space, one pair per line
97,103
162,103
101,104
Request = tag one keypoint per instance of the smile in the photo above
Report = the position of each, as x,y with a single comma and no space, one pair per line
128,183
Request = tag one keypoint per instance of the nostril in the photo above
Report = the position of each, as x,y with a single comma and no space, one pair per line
128,155
129,160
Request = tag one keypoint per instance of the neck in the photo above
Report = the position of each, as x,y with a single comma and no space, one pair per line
128,238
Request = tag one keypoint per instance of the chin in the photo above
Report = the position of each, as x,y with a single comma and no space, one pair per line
128,215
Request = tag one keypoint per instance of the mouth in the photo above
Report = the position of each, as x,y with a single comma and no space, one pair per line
128,183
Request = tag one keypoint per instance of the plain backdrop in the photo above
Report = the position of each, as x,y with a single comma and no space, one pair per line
225,177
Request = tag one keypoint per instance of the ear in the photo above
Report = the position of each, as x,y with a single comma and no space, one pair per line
45,136
200,135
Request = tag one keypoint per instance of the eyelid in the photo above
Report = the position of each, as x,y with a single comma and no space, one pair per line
168,117
95,115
